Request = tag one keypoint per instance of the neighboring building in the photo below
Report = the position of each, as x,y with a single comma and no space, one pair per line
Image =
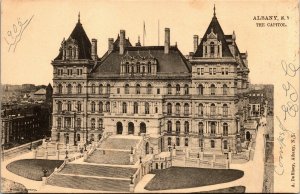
256,103
40,95
21,124
190,103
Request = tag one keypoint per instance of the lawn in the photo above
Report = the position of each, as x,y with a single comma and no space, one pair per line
237,189
8,186
33,168
180,177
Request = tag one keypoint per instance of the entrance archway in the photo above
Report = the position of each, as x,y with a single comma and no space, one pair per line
147,148
142,127
119,128
130,128
248,135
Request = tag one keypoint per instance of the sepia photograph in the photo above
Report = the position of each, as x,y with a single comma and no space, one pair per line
152,96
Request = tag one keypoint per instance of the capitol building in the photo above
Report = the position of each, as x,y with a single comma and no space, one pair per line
187,102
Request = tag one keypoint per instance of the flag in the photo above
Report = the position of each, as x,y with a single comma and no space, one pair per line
144,29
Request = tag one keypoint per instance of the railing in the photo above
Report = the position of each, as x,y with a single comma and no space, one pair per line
20,149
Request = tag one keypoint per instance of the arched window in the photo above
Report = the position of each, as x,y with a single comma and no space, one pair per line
225,129
200,89
142,127
177,108
124,107
186,127
225,89
138,89
212,109
169,128
225,110
186,109
177,141
177,89
127,67
79,89
200,109
135,108
201,128
93,107
78,123
212,48
149,89
59,106
59,88
69,87
127,89
100,89
186,89
212,89
212,143
93,89
69,106
100,107
169,108
169,87
143,69
213,128
107,106
169,141
177,126
93,123
147,108
225,144
100,124
58,123
186,142
108,89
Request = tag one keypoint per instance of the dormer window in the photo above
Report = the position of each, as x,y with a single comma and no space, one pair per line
212,48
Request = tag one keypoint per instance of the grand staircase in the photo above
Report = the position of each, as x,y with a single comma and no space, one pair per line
104,170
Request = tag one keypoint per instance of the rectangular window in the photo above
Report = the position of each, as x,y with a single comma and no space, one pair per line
158,91
202,71
223,71
226,71
198,71
118,90
69,71
210,71
214,71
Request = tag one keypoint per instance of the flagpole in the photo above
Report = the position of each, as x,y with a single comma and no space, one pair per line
158,32
144,34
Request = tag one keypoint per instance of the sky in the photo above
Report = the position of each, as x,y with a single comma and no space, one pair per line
53,20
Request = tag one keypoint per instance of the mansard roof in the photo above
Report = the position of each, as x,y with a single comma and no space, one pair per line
84,44
173,62
214,27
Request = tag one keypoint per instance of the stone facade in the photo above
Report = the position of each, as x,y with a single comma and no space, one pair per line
183,102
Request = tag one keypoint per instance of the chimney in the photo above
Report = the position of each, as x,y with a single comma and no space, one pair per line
122,42
196,42
110,44
167,40
94,49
